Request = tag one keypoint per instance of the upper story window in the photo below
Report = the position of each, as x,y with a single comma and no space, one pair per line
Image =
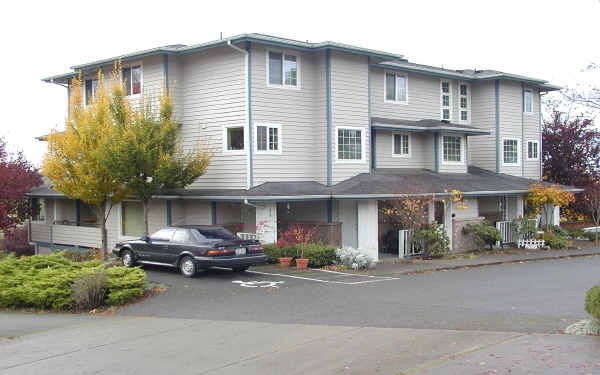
533,150
268,138
233,139
395,86
445,100
464,93
401,147
282,69
452,149
132,77
91,86
528,101
510,150
350,144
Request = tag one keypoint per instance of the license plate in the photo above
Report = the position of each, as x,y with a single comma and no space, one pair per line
240,251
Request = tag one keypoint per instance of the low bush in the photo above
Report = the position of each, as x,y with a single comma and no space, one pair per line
575,234
591,236
274,252
559,231
432,238
89,289
319,255
485,234
592,302
354,258
554,241
82,255
46,281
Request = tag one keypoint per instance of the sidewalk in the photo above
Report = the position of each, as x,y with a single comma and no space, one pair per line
395,266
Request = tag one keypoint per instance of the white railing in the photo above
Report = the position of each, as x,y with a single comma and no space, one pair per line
406,247
531,243
505,228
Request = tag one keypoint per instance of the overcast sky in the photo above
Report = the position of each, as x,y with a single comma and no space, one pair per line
550,39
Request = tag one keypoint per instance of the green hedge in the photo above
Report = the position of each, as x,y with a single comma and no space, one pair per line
319,255
44,281
592,302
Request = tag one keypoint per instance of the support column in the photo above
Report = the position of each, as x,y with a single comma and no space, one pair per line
431,212
448,209
368,227
520,207
266,221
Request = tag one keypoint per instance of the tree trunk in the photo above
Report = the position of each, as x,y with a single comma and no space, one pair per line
146,205
102,209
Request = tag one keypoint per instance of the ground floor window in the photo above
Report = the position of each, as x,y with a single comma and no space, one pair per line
41,215
132,219
87,215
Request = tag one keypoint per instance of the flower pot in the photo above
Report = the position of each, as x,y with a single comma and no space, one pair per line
285,261
301,263
570,244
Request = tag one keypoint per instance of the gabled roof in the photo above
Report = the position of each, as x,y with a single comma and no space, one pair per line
429,125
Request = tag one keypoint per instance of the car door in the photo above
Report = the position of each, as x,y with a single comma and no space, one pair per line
158,247
179,243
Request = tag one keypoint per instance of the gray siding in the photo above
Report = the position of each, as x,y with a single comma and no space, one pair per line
213,97
482,148
421,151
531,168
300,112
511,120
175,76
40,232
197,212
157,218
349,101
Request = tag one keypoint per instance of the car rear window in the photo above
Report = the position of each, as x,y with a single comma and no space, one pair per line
215,233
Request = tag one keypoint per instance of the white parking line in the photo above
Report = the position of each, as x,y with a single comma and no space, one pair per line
374,279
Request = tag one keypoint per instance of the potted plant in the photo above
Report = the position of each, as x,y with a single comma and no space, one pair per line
286,240
304,236
285,260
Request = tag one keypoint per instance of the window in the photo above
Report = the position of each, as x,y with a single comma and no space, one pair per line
446,100
268,138
91,86
181,236
349,144
452,148
533,150
87,215
233,139
401,145
282,69
132,219
527,101
132,77
510,151
41,203
163,235
464,92
395,88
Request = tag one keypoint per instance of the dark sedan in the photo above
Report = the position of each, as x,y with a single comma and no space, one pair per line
191,248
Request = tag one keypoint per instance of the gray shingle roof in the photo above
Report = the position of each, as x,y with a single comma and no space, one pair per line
430,125
381,184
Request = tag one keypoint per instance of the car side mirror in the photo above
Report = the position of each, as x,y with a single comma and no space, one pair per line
146,239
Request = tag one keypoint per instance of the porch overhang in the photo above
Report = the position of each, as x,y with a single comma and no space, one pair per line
426,126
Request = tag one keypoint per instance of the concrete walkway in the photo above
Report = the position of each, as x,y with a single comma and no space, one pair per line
145,345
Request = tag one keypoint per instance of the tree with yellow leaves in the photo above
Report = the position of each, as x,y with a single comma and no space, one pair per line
146,158
74,162
541,197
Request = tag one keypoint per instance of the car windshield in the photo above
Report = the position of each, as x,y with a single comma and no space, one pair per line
215,233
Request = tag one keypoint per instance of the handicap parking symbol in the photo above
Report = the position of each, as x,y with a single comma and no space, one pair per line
258,284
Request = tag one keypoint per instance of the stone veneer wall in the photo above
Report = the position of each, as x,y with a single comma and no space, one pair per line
462,242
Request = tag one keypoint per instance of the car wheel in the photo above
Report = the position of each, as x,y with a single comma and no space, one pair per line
187,267
127,258
240,269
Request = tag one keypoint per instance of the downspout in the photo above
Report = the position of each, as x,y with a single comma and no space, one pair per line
497,105
247,79
523,142
213,212
436,151
540,134
371,130
166,72
169,213
328,108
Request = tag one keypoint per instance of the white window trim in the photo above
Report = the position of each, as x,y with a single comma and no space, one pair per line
45,221
538,149
462,149
528,113
132,65
298,66
468,121
519,152
385,99
362,145
84,89
394,154
224,140
279,139
442,99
